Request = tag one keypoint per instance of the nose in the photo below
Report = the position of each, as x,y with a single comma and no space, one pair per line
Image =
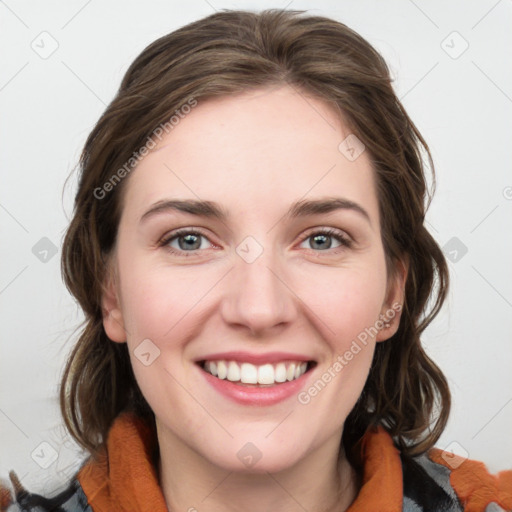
259,299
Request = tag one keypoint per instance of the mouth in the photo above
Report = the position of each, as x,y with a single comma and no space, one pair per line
253,375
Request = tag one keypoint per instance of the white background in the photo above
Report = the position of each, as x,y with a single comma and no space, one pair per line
463,107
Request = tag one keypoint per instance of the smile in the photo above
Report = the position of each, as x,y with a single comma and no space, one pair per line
251,374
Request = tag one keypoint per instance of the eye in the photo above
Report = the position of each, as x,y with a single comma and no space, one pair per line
185,241
322,240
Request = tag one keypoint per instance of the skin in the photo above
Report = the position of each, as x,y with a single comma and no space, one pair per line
255,154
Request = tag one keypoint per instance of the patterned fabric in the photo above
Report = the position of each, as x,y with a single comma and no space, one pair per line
391,482
72,499
427,488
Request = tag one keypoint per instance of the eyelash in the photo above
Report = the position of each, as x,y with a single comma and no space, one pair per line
345,242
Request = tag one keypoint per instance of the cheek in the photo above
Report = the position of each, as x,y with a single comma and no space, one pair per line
345,304
348,310
345,300
158,308
156,300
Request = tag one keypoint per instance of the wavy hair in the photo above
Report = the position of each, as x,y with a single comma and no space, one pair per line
223,54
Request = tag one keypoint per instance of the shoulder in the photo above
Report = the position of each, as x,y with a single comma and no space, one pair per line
71,499
439,480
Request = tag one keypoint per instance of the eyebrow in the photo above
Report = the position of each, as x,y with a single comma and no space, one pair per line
210,209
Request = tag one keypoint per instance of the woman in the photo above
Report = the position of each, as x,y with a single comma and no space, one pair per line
248,246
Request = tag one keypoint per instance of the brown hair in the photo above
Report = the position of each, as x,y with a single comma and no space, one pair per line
222,54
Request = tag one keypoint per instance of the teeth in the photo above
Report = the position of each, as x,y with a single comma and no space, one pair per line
233,372
280,373
247,373
266,374
213,368
222,370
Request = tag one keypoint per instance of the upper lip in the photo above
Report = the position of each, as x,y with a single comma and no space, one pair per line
257,359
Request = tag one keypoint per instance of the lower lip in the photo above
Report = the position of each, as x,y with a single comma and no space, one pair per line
262,396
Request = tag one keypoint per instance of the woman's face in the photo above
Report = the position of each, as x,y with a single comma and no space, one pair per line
294,273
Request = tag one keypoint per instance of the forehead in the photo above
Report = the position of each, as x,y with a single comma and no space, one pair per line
263,148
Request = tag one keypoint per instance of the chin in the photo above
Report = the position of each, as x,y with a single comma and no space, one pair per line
251,458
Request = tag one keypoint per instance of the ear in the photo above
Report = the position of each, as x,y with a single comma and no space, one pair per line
389,318
113,321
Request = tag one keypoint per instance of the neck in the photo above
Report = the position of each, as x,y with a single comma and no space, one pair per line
324,481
